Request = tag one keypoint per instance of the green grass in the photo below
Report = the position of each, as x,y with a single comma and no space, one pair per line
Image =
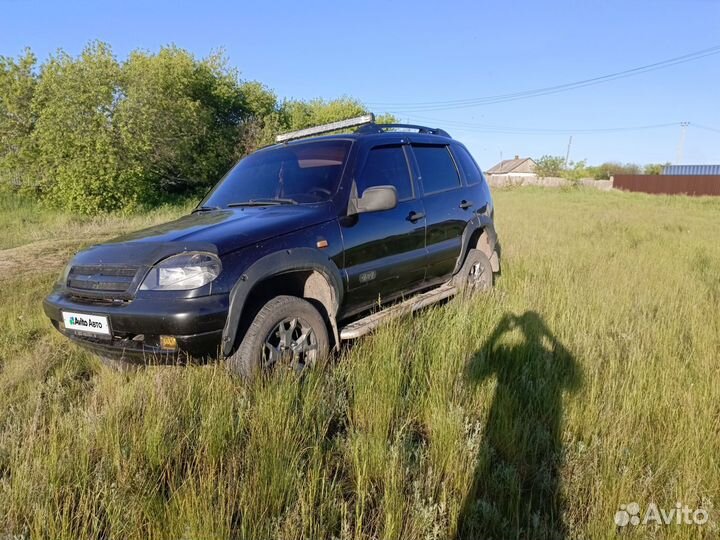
23,222
587,379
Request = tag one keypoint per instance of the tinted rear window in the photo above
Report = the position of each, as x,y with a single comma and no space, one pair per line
386,166
306,172
437,168
468,165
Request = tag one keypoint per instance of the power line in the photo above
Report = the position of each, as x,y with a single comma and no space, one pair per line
562,87
531,131
406,107
515,130
706,128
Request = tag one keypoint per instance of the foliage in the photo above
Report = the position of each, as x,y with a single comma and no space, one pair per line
587,380
655,168
177,119
17,121
611,168
92,133
555,166
291,115
549,166
576,170
78,164
299,114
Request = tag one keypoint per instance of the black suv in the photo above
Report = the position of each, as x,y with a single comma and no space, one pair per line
301,245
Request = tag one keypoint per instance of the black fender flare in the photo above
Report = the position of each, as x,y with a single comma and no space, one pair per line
287,260
478,222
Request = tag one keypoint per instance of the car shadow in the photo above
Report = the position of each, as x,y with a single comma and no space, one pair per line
515,492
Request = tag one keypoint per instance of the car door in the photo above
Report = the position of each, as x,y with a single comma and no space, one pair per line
447,207
384,250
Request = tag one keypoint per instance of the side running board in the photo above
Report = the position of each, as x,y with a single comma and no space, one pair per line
371,322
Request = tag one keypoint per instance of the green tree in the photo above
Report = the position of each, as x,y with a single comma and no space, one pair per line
18,81
91,133
655,168
263,121
178,121
576,170
303,114
610,168
549,166
117,135
293,115
78,158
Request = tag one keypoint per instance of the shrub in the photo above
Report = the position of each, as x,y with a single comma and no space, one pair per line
92,133
549,166
17,121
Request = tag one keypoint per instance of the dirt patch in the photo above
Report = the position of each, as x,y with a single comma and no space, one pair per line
37,258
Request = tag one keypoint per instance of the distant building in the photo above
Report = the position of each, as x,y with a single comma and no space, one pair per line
514,167
691,170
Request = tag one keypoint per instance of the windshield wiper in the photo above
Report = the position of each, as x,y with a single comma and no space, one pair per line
205,209
263,202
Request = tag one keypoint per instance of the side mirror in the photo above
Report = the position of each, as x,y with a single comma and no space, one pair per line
377,198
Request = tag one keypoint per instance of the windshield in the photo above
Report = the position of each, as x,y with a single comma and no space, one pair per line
297,173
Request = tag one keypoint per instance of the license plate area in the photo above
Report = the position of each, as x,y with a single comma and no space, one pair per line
87,324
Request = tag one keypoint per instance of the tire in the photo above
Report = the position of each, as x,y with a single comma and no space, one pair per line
476,274
287,331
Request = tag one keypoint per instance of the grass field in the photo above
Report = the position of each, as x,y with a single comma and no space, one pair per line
588,379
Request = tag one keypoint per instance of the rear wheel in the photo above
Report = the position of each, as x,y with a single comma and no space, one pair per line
476,275
287,332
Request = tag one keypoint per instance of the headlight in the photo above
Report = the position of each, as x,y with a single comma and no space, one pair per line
182,272
63,277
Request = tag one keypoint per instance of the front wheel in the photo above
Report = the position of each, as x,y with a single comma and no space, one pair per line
287,331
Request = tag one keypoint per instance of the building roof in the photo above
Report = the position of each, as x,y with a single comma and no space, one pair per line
517,165
694,170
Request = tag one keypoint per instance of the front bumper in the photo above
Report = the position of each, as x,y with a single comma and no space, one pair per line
136,326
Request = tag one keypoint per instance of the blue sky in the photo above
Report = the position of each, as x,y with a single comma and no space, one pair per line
392,55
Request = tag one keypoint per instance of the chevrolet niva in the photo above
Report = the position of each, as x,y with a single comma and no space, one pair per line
311,241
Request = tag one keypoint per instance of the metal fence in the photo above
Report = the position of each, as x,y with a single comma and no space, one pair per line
669,184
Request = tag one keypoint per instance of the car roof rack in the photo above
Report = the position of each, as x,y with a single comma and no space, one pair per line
381,128
364,120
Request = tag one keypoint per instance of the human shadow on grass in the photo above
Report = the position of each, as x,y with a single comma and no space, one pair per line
516,486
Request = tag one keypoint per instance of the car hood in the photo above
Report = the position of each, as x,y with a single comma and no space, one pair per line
218,231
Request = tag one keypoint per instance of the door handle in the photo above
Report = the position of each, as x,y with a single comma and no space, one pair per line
416,216
466,204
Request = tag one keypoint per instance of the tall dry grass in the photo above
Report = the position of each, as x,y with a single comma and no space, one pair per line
586,380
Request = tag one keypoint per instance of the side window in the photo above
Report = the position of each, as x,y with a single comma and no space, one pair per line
437,168
386,166
468,165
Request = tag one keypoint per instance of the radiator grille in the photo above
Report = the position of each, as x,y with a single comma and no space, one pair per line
102,278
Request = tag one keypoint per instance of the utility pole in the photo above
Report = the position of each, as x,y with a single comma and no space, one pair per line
681,143
567,155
